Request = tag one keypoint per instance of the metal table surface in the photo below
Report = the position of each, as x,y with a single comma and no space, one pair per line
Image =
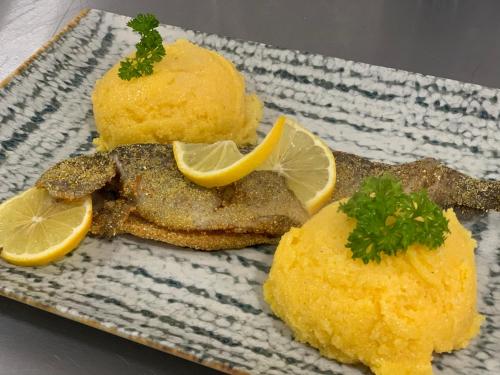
448,38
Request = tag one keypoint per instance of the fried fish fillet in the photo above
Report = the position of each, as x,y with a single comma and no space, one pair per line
149,197
259,203
78,177
116,216
139,190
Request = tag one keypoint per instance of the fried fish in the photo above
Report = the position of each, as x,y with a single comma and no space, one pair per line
146,195
138,189
445,186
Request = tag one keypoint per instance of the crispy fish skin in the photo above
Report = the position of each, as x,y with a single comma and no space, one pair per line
258,203
115,217
351,171
448,187
445,186
109,217
146,195
78,177
149,181
200,240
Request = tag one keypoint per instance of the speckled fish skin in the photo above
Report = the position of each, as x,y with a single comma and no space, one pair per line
152,199
259,203
156,201
78,177
445,186
113,217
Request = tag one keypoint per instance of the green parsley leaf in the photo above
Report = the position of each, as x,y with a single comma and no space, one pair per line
389,220
148,51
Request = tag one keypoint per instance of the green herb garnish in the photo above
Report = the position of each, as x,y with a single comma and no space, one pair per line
389,220
149,49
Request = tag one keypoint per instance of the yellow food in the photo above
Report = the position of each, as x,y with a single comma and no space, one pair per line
36,229
194,95
222,163
307,164
390,316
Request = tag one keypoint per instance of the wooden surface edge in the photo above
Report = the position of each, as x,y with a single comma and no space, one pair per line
70,25
140,340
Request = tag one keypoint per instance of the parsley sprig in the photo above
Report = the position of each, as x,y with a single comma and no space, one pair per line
148,51
389,220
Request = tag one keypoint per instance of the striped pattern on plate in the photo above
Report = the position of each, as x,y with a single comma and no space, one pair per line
208,307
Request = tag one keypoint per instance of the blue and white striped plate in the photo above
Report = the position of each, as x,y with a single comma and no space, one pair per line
208,307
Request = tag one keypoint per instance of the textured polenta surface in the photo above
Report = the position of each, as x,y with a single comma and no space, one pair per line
390,315
210,306
194,95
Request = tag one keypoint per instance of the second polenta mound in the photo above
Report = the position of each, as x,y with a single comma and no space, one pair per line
194,95
390,315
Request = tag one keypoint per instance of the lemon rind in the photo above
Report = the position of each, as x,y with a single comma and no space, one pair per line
56,251
237,170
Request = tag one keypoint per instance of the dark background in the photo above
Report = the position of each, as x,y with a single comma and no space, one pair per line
447,38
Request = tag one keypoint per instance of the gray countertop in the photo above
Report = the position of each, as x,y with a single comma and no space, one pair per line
448,38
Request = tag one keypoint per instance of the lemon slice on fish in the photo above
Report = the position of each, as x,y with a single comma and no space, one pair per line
221,163
307,164
36,229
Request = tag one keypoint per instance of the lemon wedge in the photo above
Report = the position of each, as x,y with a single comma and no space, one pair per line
36,229
307,164
221,163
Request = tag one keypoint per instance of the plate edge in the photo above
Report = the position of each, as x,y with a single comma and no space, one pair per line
72,23
142,341
24,65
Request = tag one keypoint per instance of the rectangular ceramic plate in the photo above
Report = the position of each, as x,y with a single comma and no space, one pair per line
208,307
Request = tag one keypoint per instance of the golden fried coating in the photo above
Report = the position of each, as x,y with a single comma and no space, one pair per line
446,187
200,240
107,220
139,190
78,177
258,203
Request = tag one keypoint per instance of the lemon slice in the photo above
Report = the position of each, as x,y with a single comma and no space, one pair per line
306,162
221,163
36,229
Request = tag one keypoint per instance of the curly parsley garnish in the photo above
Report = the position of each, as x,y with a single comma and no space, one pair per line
389,220
149,49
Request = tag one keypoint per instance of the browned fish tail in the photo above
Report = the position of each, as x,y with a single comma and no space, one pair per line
446,187
469,192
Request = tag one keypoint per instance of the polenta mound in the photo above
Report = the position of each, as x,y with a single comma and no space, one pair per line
194,95
390,315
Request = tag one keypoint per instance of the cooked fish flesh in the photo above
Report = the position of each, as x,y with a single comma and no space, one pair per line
138,189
